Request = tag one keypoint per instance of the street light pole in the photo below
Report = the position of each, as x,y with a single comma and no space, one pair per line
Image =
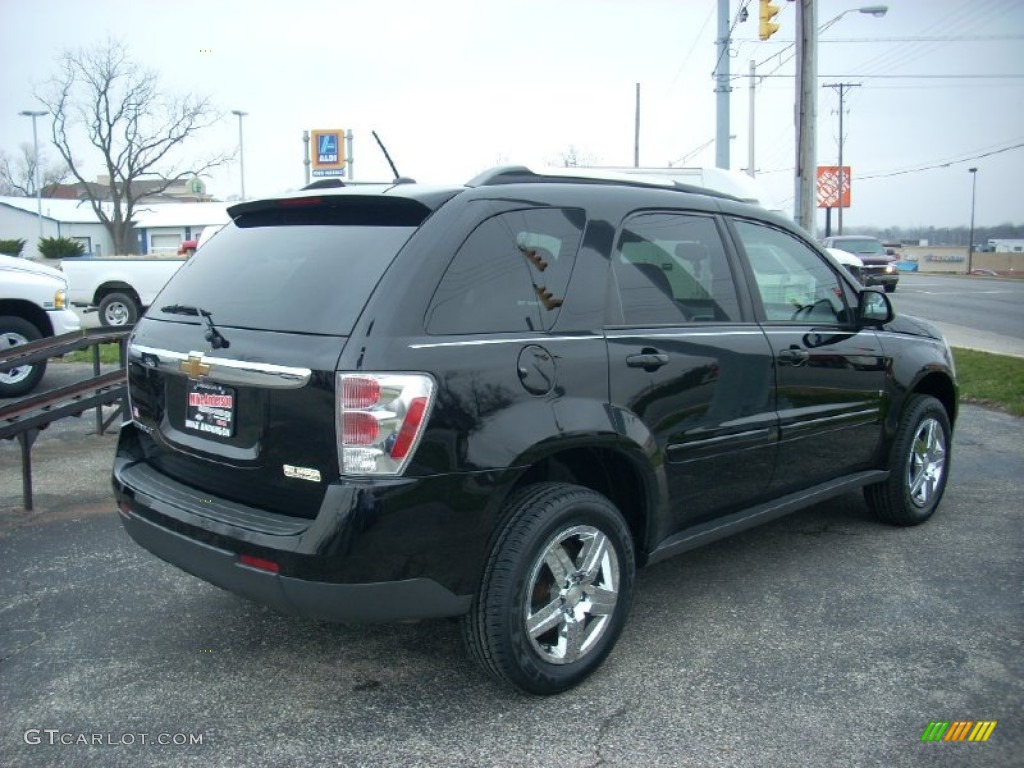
241,148
35,143
806,105
970,243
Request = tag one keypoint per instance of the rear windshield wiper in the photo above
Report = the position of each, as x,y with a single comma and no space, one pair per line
215,337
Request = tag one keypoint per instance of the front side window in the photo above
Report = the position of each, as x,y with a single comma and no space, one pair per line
671,268
794,282
511,274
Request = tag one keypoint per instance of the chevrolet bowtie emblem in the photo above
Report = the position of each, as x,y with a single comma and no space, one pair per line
194,366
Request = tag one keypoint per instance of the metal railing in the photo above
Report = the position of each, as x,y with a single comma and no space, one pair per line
24,419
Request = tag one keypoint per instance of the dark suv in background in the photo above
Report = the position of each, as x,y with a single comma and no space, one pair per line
880,264
498,400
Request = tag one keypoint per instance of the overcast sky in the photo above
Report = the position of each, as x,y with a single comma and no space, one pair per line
457,86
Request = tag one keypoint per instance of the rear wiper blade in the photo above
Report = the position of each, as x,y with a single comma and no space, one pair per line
215,337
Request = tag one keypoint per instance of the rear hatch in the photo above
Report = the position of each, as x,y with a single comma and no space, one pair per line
232,371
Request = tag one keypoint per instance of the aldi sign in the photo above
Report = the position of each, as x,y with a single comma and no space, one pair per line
328,147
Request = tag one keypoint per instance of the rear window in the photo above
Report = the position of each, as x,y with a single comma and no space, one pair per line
307,269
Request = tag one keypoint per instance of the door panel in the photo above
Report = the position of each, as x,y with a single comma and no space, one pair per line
684,362
830,376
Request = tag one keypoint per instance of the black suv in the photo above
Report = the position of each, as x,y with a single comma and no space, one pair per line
879,262
497,401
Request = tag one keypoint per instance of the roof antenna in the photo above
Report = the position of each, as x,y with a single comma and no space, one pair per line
398,179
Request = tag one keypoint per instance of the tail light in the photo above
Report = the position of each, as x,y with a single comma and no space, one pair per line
380,420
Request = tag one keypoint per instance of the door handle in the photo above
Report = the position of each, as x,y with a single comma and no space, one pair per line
794,356
649,361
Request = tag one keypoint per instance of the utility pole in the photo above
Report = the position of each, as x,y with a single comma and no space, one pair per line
806,114
636,131
750,127
841,89
722,87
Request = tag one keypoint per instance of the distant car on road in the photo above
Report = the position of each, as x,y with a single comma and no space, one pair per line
879,264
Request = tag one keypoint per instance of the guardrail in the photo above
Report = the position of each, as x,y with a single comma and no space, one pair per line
24,419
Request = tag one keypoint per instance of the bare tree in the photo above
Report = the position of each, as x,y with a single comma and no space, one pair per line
134,127
18,174
574,157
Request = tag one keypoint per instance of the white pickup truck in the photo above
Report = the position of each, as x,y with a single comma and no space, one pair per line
120,288
32,306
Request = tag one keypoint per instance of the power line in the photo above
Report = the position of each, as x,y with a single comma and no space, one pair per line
901,77
917,39
940,165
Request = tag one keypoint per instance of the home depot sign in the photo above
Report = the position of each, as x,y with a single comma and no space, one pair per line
828,186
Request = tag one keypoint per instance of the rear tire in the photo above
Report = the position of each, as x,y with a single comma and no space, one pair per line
19,381
556,589
918,465
118,309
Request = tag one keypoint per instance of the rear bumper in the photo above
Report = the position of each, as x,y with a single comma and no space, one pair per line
390,549
382,601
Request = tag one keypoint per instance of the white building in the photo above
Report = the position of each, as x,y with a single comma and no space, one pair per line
161,227
73,219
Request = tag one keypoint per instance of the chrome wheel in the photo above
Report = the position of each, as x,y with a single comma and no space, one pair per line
926,464
17,375
573,590
116,313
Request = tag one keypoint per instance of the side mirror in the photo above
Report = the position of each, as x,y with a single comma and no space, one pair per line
874,307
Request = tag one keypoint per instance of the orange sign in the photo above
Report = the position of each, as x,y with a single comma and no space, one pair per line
828,186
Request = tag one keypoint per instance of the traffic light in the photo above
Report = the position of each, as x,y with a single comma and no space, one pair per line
768,11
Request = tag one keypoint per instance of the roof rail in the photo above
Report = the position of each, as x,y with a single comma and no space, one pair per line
520,174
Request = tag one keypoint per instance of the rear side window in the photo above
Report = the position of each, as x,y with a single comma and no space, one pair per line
306,270
511,274
671,268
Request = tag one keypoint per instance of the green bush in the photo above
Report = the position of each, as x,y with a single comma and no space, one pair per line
12,247
60,247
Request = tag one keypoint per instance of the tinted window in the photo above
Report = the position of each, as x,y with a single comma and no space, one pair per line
794,282
282,276
511,274
671,268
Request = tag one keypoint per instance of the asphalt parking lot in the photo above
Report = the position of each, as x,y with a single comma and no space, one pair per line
823,639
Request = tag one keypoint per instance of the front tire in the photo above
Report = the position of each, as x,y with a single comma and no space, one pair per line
19,381
918,465
556,589
118,309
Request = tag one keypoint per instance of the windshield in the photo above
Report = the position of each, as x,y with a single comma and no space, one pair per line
312,278
868,245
